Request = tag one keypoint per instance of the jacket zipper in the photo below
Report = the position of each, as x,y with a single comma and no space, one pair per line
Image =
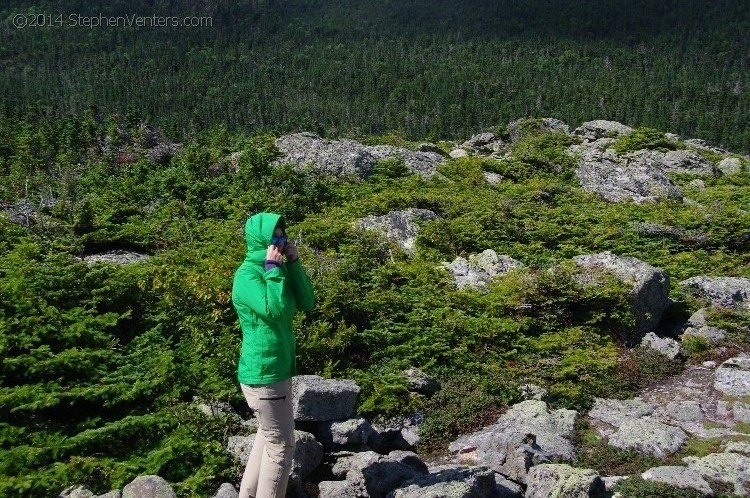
272,399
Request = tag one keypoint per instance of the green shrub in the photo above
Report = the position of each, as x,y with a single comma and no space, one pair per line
636,487
645,138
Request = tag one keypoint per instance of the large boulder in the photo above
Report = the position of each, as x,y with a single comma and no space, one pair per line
730,468
649,296
674,161
396,433
478,270
370,474
400,226
316,399
459,482
697,326
338,433
600,128
419,382
148,487
527,434
730,165
664,345
733,377
349,158
728,292
226,490
679,477
563,481
616,179
616,412
76,491
519,127
648,435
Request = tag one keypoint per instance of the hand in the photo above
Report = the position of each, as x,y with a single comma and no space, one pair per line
273,253
291,252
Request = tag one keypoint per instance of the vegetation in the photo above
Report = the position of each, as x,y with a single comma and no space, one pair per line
421,68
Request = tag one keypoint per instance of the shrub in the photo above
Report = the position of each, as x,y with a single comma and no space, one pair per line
645,138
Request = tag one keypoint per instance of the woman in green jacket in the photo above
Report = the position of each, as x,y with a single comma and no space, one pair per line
266,292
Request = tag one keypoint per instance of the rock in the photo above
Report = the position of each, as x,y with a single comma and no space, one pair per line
148,487
733,377
429,147
115,493
697,184
505,488
486,143
449,483
317,399
615,179
600,128
563,481
729,292
740,447
730,468
351,432
520,127
532,391
527,434
730,165
674,161
458,153
649,296
664,345
685,411
22,211
741,412
116,256
478,270
418,381
226,490
696,326
703,145
76,491
400,226
616,412
399,433
679,477
492,178
648,435
693,238
370,474
609,482
346,158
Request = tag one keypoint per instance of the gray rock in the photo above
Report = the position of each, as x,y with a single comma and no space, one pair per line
517,127
505,488
115,493
664,345
349,158
733,377
370,474
601,128
478,270
458,153
741,412
532,391
685,411
148,487
730,292
730,468
76,491
697,184
350,432
317,399
697,143
616,179
610,481
400,226
563,481
648,435
418,381
708,333
399,433
616,412
649,296
527,434
679,477
213,407
674,161
740,447
730,165
226,490
449,483
694,238
492,178
116,256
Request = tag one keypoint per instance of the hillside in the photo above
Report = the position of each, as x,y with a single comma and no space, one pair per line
430,69
104,362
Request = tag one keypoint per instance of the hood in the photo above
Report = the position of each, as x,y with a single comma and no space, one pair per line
258,232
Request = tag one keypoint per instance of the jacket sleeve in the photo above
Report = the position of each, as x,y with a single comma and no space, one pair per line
301,286
262,294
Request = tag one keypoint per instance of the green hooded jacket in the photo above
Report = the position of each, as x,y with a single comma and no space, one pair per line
265,302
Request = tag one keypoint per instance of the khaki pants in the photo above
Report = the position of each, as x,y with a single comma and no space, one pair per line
270,462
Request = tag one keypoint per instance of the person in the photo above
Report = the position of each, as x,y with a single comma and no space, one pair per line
266,292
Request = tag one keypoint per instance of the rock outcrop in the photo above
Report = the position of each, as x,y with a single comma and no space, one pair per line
479,269
728,292
400,226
